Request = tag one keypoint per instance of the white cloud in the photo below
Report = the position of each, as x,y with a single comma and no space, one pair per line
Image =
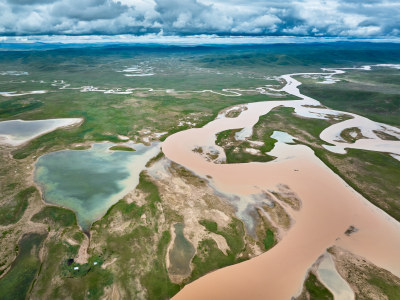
343,18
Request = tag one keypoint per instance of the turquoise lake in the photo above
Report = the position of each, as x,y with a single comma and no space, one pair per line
90,181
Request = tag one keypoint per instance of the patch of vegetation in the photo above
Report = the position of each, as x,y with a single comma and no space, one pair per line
269,240
209,257
264,230
187,175
14,107
151,189
156,281
121,148
58,216
83,147
198,150
17,283
385,136
315,289
59,279
388,288
233,114
234,233
210,225
12,212
235,151
352,134
156,158
131,209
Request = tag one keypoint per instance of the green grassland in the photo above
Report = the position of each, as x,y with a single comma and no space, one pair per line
55,216
17,282
12,211
374,94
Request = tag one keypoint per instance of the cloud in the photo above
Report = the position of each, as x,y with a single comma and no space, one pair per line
341,18
87,10
29,2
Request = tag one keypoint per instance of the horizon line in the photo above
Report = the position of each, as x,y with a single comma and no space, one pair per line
177,40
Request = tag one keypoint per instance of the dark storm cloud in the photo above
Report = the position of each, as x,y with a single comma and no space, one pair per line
350,18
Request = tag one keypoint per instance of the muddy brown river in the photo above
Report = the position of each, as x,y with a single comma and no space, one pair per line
329,205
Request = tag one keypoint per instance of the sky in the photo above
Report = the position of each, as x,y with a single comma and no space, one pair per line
302,18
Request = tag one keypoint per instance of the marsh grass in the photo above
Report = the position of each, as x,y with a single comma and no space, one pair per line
17,282
12,212
56,216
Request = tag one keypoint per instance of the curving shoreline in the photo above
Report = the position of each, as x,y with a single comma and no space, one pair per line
18,132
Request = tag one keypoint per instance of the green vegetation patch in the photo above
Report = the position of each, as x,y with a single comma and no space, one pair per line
151,189
14,107
352,134
153,160
234,233
82,147
17,282
209,257
385,136
315,289
86,280
235,151
65,278
13,211
388,288
269,240
156,281
58,216
121,148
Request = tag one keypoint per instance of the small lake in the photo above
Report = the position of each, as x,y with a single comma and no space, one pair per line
90,181
17,132
181,253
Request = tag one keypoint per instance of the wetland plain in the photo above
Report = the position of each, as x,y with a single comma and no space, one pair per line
154,173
